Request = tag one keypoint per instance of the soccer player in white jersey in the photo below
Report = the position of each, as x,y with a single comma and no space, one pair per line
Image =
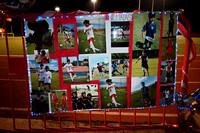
69,70
68,38
88,30
112,92
41,76
120,33
48,77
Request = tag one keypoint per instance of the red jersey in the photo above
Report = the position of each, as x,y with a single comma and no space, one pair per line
55,98
64,99
99,68
169,44
44,60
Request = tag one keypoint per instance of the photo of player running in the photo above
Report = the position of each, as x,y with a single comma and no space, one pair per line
145,63
91,34
113,93
115,69
144,60
75,69
66,36
70,71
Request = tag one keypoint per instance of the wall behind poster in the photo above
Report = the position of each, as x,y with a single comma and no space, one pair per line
89,62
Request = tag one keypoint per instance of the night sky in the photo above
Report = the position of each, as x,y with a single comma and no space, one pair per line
190,7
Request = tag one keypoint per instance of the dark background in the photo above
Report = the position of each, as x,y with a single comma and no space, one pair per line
190,7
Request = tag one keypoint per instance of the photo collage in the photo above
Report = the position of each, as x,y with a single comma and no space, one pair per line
101,61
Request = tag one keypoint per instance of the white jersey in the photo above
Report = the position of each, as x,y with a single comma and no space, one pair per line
166,94
89,31
67,34
120,31
69,67
48,77
111,89
126,63
38,59
41,74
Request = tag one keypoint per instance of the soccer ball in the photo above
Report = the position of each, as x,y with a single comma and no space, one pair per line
87,50
61,45
109,104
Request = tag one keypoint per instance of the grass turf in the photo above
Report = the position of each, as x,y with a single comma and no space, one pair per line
77,79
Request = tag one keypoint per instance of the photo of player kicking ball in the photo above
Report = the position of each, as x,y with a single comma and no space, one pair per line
68,38
111,88
91,34
144,60
69,67
89,31
115,69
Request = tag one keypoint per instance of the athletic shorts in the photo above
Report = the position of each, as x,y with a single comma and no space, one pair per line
71,73
54,102
91,39
113,95
169,50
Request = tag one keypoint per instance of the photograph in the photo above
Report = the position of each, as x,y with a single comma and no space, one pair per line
120,32
169,36
40,103
58,99
167,72
167,94
113,93
39,35
66,36
168,48
146,31
91,35
41,56
75,69
85,96
145,63
44,77
143,91
99,67
120,64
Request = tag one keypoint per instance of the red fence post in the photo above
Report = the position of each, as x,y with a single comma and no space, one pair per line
134,120
44,119
105,118
90,119
120,117
10,80
164,109
74,119
149,118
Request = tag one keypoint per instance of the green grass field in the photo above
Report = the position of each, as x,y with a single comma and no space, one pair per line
54,81
136,97
164,41
77,79
137,67
120,69
61,38
99,42
96,75
121,97
139,21
59,101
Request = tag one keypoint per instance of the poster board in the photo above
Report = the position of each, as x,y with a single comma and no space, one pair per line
95,57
